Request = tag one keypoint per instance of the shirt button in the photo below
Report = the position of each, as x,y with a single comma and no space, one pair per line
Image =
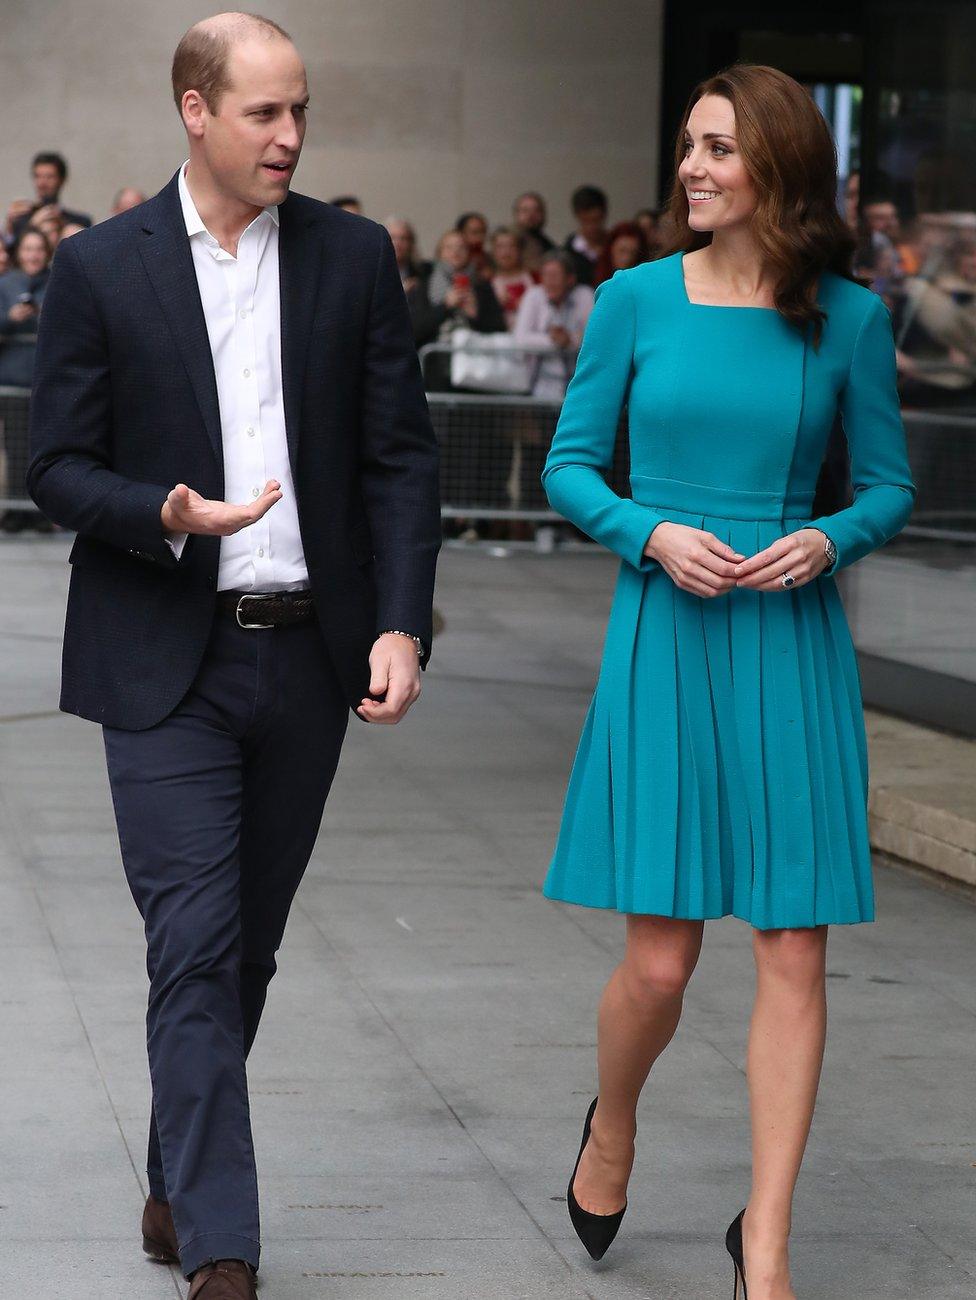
260,550
250,430
247,374
243,313
255,492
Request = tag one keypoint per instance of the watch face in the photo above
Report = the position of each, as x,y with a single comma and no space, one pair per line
831,550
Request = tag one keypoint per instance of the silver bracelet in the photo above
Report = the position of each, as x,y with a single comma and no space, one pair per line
395,631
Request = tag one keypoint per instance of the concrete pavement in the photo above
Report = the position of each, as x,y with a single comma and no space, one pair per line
421,1075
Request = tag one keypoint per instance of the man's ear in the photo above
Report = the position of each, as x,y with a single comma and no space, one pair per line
193,110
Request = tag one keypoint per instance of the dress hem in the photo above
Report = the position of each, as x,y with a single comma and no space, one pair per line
710,916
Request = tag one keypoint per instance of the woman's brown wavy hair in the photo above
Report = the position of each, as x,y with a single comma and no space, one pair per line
789,154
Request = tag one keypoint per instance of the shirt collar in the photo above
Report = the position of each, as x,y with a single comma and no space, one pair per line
193,220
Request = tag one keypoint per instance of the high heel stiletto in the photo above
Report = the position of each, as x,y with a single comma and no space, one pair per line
733,1244
595,1231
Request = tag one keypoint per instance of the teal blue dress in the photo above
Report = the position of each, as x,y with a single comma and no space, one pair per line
722,767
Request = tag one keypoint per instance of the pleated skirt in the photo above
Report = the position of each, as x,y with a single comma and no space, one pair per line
722,768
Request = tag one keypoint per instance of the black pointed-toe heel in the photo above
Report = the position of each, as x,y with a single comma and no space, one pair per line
733,1244
595,1231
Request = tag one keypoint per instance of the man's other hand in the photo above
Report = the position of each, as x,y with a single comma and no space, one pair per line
394,675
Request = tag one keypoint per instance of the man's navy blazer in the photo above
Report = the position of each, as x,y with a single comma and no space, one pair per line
125,406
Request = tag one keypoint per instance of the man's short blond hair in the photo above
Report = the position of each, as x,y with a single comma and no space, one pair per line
203,54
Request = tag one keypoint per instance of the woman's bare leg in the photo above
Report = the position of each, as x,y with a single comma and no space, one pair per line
785,1055
639,1012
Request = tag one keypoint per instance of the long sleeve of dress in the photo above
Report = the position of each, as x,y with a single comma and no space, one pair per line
582,446
884,492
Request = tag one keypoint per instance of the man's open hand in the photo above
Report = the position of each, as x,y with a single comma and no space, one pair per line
186,511
395,675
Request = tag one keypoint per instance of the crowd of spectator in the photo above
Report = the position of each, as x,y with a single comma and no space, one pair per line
519,281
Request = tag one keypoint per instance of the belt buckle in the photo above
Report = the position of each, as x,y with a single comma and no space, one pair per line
237,614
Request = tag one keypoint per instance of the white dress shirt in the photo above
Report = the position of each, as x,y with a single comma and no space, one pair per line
241,304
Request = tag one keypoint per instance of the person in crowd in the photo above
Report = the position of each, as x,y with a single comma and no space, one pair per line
70,228
529,217
49,172
50,222
722,768
550,320
653,225
348,203
587,241
626,246
935,324
473,227
22,290
128,197
454,295
511,280
882,224
852,202
550,323
4,258
413,269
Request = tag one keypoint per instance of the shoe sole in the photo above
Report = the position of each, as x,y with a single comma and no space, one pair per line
158,1252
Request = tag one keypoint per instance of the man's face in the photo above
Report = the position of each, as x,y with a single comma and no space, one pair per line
47,182
402,237
883,218
590,223
529,213
555,281
252,144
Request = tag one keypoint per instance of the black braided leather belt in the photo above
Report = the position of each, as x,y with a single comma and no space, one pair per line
259,609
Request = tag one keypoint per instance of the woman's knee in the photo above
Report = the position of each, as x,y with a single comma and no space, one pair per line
795,956
661,958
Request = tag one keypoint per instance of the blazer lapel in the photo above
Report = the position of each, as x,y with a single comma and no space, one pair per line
299,262
169,264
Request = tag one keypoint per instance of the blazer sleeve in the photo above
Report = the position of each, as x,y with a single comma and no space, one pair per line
884,492
70,476
582,446
399,461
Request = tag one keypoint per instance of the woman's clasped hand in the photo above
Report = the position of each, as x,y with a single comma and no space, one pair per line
699,562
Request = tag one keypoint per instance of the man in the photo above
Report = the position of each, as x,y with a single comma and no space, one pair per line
529,217
586,243
49,172
127,198
229,410
551,321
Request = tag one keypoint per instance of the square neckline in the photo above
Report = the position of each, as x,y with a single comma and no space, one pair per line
713,306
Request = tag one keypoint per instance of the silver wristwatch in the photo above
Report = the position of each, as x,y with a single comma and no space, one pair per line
830,550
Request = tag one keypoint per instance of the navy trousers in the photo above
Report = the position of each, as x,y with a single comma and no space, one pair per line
218,807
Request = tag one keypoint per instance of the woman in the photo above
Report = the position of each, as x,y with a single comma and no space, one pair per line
510,280
722,766
626,247
473,227
21,296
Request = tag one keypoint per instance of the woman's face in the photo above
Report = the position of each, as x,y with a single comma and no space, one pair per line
474,232
625,252
4,258
505,251
32,255
720,192
454,251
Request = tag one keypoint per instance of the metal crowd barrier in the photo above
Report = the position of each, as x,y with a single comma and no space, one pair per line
494,444
14,451
494,433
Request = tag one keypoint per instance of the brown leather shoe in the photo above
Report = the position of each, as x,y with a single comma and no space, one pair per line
158,1233
228,1279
